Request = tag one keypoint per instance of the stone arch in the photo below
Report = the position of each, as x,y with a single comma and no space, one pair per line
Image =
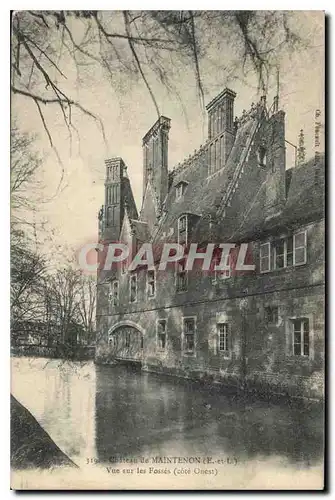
125,340
126,323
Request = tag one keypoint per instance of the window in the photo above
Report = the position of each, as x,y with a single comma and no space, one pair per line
189,335
161,334
182,229
181,277
265,257
261,156
124,265
133,288
180,190
222,274
279,254
223,337
271,315
114,293
151,284
283,253
300,248
301,337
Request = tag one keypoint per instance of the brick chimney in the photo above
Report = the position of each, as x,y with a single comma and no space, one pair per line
113,213
221,131
155,158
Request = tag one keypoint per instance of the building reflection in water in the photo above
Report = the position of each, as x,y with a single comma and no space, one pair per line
101,412
138,414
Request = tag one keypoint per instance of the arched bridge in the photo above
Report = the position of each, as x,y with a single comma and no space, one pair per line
126,342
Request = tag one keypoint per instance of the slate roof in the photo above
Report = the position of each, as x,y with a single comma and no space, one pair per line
305,202
204,195
141,230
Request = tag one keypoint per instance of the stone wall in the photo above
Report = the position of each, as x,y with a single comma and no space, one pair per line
261,356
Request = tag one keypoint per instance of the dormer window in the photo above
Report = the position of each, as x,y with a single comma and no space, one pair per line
182,229
180,190
261,156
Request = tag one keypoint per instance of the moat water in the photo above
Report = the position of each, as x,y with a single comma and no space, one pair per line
105,416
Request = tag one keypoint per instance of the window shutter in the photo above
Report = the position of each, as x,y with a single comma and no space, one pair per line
300,248
265,257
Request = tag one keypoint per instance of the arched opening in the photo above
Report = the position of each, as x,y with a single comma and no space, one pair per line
126,342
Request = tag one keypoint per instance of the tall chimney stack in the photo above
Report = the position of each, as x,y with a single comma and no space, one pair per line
221,131
155,158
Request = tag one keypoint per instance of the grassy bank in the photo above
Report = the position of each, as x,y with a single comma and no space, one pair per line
31,446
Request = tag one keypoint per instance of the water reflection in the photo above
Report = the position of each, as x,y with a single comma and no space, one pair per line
101,412
141,413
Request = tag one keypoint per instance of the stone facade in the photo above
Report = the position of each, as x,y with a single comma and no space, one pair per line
259,330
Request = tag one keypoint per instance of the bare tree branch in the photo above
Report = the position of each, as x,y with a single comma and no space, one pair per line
131,45
164,42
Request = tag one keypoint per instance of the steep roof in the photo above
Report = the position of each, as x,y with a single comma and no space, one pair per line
141,230
203,195
129,198
305,203
206,197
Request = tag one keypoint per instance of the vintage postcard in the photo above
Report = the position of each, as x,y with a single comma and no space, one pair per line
167,250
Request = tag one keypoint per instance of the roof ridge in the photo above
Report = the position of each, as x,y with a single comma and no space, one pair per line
239,169
245,116
188,161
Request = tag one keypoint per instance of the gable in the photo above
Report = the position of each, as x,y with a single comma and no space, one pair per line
126,231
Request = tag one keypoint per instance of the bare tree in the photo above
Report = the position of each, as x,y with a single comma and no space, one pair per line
24,184
64,292
28,267
132,45
28,272
87,304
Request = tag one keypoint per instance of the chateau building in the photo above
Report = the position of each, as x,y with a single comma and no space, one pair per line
260,329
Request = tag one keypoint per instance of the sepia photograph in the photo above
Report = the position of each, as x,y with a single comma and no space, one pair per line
167,250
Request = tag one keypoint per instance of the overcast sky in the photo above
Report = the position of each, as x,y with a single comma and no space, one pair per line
127,116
